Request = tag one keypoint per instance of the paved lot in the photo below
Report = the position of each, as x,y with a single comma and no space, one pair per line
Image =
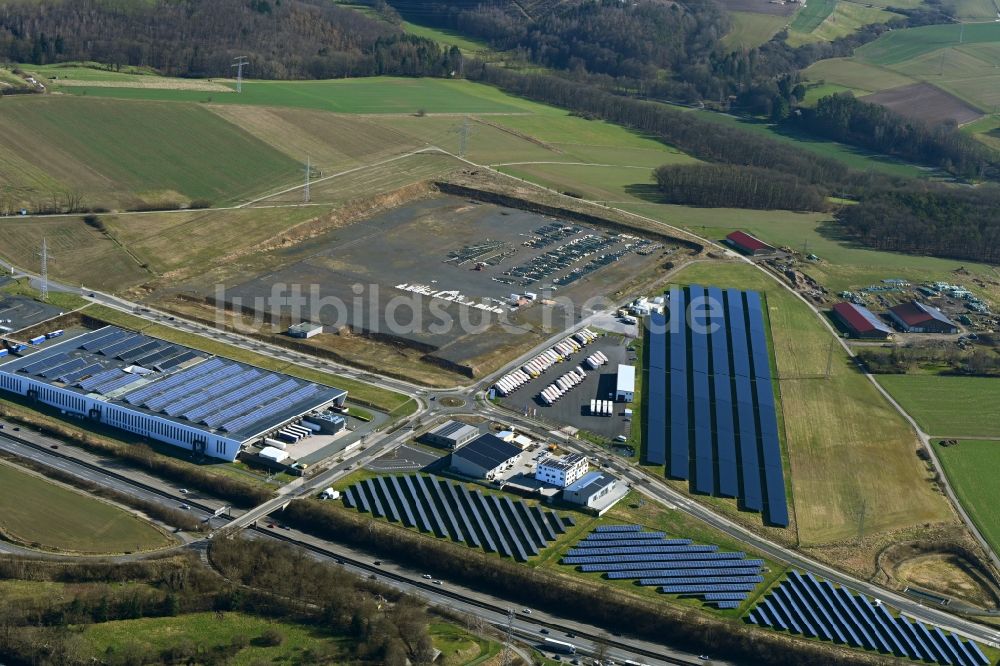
574,408
403,458
17,312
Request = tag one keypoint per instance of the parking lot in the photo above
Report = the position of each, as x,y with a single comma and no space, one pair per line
18,312
574,408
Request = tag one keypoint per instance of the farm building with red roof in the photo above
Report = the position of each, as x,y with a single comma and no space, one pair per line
860,322
747,244
915,317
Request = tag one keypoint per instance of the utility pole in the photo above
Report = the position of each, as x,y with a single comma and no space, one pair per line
45,269
829,359
239,63
305,192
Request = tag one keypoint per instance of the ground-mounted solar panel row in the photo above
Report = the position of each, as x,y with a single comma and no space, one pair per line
807,606
711,416
676,566
511,528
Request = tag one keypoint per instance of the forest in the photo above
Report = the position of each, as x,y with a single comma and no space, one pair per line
843,118
284,39
928,219
732,186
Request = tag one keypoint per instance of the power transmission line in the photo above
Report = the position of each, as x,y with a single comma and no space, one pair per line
45,269
507,657
305,191
239,63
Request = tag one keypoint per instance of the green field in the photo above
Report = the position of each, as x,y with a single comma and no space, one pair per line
751,29
207,632
949,406
971,468
898,45
44,515
367,95
812,15
929,54
844,19
850,454
118,154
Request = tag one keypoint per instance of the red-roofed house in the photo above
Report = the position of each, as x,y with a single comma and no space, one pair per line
860,322
914,317
747,244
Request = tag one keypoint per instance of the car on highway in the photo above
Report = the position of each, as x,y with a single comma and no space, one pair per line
543,630
436,581
185,507
377,563
184,491
427,576
526,611
270,526
53,446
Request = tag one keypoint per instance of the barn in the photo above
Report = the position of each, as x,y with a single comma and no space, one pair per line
748,244
915,317
860,322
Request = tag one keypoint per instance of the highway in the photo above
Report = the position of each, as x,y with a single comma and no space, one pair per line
463,600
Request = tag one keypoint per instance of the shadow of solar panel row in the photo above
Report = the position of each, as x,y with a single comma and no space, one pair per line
511,528
722,433
692,569
807,606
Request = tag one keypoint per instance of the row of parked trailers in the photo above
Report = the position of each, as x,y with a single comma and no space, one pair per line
292,433
596,360
562,386
601,407
15,347
539,364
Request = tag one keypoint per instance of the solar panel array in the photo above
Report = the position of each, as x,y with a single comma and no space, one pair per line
710,407
676,566
496,524
807,606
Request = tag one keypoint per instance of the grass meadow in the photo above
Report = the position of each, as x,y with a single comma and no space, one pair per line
949,406
971,469
36,512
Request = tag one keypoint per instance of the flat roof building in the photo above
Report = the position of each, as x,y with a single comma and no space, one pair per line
164,391
485,457
860,322
748,244
625,387
561,472
593,490
915,317
451,434
306,329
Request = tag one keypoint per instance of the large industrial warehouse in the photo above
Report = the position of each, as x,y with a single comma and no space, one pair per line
165,391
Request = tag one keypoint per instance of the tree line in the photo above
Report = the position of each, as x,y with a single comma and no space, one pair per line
260,578
843,118
981,362
732,186
928,219
284,39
